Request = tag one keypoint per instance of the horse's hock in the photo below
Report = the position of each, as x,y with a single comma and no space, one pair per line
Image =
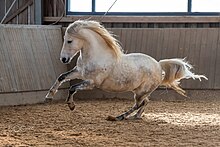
29,58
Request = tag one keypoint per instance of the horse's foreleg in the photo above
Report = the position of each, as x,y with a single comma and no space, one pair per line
84,85
72,74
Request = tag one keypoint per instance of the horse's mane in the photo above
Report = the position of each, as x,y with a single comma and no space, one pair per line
95,26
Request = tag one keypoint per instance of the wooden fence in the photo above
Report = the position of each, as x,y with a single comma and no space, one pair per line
29,57
21,12
201,46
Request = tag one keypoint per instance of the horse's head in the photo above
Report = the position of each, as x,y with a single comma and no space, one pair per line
78,35
72,44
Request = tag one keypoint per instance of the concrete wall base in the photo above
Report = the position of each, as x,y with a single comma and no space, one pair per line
22,98
193,95
160,94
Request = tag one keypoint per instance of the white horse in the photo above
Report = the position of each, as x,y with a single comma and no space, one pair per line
102,64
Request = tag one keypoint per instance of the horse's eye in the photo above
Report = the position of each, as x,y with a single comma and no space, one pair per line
69,41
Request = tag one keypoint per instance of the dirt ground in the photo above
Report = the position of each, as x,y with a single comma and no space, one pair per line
185,123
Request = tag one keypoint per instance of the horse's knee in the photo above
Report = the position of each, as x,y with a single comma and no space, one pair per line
61,77
72,90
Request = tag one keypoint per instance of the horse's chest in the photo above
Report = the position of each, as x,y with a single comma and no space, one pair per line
89,70
94,72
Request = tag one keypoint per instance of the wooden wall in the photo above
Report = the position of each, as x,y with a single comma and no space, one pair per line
54,8
22,11
29,57
201,46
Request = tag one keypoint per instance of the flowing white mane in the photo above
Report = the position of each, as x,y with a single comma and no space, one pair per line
95,26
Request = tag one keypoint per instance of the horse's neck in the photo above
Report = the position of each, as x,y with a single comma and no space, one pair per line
96,49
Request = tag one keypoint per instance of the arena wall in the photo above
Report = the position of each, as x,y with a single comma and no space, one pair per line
29,58
29,62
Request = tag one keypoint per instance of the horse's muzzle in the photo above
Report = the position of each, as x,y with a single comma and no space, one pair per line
65,60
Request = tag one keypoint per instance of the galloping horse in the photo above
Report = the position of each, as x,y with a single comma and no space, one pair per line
102,64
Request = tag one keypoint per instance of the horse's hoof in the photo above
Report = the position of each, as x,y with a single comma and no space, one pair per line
71,106
111,118
118,118
49,95
48,99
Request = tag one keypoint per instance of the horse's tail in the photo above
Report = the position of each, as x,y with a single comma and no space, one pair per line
174,71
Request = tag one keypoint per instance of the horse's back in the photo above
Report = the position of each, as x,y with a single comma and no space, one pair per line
140,57
142,61
131,71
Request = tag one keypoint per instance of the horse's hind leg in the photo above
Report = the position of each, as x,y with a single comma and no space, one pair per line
179,90
145,100
84,85
139,102
140,110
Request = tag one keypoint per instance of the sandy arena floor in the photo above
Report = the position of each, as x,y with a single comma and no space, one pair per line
183,123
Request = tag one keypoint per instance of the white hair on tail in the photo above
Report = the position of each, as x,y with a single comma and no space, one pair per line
188,67
175,70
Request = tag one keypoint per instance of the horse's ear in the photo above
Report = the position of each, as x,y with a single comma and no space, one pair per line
72,28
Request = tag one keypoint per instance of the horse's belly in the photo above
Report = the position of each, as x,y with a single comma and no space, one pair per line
119,84
113,87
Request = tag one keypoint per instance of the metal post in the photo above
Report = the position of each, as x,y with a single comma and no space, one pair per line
67,6
93,5
189,8
38,11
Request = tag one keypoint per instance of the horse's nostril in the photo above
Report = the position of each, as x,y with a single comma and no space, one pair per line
64,60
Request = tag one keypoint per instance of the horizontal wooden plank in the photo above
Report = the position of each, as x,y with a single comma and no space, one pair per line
140,19
31,26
